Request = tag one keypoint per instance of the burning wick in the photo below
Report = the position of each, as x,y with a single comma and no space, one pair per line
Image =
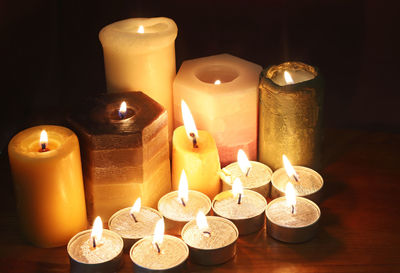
183,202
122,110
94,242
240,198
134,218
248,171
292,209
158,248
207,233
193,136
43,141
296,178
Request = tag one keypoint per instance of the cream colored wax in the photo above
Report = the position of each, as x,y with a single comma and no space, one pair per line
48,185
222,93
139,54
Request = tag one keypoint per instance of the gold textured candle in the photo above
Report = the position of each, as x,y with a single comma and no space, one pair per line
48,184
290,115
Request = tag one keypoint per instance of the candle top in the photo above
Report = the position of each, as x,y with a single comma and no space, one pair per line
95,117
171,207
139,33
297,76
123,223
173,253
226,205
26,142
310,181
222,233
306,212
296,72
80,247
259,174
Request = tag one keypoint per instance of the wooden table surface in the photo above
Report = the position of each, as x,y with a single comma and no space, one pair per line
359,228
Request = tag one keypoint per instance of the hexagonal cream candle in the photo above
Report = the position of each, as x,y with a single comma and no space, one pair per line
125,151
222,93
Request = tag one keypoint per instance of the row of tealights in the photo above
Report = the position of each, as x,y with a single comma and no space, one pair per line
208,239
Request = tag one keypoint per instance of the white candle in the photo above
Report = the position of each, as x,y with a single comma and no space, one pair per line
245,208
222,92
139,54
254,175
134,223
95,250
211,239
159,252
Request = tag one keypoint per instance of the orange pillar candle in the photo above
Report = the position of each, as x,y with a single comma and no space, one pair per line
48,184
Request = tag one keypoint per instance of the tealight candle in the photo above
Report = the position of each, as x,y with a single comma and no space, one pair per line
97,250
292,219
254,175
290,115
134,223
195,152
307,182
159,253
45,163
179,207
245,208
211,239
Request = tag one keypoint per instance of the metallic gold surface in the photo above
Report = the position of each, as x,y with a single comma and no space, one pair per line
290,118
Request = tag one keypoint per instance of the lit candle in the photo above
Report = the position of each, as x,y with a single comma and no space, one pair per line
95,250
159,252
211,239
227,87
46,168
254,175
125,151
195,152
307,182
292,219
139,54
179,207
245,208
134,223
290,115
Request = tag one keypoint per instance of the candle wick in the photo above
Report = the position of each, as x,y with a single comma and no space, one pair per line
240,198
296,178
134,218
94,242
158,248
193,136
292,209
248,171
183,202
207,233
121,114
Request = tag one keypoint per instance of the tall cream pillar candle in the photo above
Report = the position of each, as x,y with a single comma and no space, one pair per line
139,54
222,92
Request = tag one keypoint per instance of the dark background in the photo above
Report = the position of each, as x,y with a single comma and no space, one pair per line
51,56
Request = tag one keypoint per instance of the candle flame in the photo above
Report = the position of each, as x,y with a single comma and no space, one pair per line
243,161
43,139
159,233
188,121
136,206
183,190
201,220
217,82
288,77
122,108
290,194
289,168
97,230
140,29
237,187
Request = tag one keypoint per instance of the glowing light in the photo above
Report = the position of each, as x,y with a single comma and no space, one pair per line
140,29
289,168
158,233
201,221
97,231
243,161
44,140
183,189
188,122
136,207
288,77
217,82
290,196
237,187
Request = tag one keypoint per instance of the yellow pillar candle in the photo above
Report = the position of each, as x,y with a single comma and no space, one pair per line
196,153
139,54
48,184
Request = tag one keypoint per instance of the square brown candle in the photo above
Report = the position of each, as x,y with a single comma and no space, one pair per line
125,152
